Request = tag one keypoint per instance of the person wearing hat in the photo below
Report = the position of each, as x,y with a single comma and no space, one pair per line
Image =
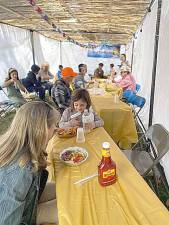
14,85
32,84
127,81
61,92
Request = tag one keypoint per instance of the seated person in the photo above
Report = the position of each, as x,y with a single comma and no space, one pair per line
112,71
127,81
59,73
14,85
79,102
25,197
44,75
123,60
87,77
79,81
61,92
99,73
32,84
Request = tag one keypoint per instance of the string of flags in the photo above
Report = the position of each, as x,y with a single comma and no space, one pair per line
44,16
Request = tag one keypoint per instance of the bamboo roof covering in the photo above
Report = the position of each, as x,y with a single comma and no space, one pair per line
86,21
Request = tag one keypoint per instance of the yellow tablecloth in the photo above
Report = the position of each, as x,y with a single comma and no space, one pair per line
118,119
128,202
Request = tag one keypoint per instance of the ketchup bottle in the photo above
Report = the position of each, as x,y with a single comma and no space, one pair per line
107,167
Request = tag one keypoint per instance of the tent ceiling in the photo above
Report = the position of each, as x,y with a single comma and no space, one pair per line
86,21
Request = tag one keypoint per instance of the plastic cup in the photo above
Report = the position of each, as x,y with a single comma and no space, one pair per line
80,138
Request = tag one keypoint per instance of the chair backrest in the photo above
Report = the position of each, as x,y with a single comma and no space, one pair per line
138,87
159,138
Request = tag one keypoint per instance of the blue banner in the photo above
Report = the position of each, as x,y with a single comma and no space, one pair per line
105,51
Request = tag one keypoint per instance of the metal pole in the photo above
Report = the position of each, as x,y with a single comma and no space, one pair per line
32,44
132,56
155,62
60,52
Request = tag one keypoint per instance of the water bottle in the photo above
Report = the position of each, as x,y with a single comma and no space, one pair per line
87,118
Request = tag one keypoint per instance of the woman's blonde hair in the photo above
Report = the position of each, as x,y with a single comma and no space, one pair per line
29,131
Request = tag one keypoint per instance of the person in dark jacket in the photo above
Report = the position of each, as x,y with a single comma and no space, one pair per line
32,84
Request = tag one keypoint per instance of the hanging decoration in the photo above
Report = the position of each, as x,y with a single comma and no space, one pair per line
44,16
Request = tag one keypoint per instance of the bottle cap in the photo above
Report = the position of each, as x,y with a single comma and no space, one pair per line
106,145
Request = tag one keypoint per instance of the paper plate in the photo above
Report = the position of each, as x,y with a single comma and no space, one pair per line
74,156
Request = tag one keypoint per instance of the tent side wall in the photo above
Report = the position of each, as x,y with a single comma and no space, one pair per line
143,59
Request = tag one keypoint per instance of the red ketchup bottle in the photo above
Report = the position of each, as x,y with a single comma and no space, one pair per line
107,167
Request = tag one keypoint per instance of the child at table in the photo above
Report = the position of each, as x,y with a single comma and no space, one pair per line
79,102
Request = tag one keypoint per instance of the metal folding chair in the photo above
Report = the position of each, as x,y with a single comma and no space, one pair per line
138,87
147,160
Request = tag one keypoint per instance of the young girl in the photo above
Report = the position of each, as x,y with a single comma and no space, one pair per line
13,85
22,167
79,102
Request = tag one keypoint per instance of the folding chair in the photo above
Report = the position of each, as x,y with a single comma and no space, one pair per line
138,87
147,160
137,101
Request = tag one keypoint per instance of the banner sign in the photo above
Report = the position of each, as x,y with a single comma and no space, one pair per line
105,51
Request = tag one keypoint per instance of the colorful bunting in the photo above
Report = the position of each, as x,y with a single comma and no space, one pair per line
44,16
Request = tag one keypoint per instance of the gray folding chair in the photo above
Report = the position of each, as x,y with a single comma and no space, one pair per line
147,161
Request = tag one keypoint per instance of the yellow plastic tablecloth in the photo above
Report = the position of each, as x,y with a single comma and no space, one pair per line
129,201
118,119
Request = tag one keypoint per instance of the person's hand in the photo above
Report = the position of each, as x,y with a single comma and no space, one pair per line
75,122
26,91
14,79
90,126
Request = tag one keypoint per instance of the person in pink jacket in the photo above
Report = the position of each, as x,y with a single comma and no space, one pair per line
127,81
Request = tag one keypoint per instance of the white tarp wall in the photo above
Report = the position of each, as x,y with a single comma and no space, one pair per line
15,51
73,55
161,103
46,50
143,59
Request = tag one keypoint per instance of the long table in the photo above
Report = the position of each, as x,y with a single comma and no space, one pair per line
129,201
118,119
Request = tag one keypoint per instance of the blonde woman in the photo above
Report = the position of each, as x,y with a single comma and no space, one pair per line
22,167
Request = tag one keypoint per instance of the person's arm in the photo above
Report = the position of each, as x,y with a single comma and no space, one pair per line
125,83
13,192
98,121
21,86
66,121
59,96
51,76
8,82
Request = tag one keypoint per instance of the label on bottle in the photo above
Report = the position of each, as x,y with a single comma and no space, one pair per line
105,153
109,173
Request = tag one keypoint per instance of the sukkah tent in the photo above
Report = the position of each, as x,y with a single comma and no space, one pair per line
56,30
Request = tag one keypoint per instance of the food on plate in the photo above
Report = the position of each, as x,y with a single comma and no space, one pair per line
69,132
74,156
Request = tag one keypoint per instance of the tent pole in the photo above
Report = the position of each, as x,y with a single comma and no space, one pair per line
32,44
154,70
132,56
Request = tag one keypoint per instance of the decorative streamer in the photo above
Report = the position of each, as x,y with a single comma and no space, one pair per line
44,16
